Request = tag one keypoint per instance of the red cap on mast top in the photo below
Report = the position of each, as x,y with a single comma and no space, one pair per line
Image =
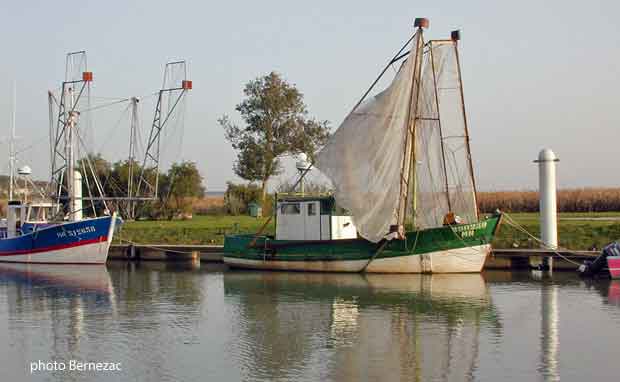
421,23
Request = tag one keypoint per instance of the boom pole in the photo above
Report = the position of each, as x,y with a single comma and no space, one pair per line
455,37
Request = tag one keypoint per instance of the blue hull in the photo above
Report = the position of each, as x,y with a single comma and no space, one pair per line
85,241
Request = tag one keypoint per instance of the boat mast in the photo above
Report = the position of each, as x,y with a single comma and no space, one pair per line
407,175
455,36
131,160
12,146
70,140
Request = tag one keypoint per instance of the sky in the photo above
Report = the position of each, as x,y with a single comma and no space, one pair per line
536,73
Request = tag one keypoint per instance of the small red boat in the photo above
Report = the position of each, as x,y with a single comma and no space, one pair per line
607,263
613,263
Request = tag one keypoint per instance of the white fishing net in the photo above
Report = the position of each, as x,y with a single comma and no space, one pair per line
368,157
364,157
431,202
444,176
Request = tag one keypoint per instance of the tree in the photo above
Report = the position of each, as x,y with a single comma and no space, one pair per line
182,183
186,180
276,123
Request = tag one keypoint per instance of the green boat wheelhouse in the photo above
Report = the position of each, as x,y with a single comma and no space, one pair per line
311,217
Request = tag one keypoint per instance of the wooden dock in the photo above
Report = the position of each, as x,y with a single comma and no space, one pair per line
513,258
163,252
526,258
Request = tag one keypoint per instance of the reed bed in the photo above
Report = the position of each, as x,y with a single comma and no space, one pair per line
209,205
569,200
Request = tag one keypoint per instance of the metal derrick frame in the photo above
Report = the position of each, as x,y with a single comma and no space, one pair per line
64,153
60,124
61,132
146,189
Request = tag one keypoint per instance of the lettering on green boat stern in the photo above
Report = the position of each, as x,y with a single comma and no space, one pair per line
469,230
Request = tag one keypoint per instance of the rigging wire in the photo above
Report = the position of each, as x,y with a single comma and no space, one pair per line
30,146
394,59
115,127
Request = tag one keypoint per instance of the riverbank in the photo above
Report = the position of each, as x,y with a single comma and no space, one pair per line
579,231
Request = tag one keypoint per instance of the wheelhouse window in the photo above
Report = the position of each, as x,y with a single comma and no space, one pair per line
290,209
34,213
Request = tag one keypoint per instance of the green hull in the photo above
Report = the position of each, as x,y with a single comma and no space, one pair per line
448,249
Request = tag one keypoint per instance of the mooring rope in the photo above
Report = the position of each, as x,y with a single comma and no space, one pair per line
519,227
156,248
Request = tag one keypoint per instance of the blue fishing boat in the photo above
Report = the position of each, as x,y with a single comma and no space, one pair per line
58,231
78,242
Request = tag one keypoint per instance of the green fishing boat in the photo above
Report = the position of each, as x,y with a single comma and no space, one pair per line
404,198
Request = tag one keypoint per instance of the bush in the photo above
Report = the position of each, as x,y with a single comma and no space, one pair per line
239,196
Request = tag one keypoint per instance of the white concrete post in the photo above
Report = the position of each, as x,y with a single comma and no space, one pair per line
77,199
548,201
11,218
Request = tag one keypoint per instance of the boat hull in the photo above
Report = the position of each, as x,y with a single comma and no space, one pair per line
450,249
613,262
83,242
458,260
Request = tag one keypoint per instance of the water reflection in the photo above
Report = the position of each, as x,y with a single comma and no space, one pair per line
549,335
608,289
414,327
64,295
613,294
60,279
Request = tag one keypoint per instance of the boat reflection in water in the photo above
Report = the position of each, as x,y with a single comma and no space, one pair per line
613,296
609,289
61,278
68,302
409,326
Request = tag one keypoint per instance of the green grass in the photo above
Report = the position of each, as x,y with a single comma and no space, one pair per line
573,234
199,230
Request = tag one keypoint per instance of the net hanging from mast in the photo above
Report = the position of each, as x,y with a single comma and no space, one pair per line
370,158
444,178
364,157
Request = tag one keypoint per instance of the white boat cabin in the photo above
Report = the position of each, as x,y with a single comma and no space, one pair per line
311,218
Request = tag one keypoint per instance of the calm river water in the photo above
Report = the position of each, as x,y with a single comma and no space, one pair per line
163,322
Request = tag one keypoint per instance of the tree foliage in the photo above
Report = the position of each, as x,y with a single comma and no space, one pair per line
177,187
276,122
239,196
